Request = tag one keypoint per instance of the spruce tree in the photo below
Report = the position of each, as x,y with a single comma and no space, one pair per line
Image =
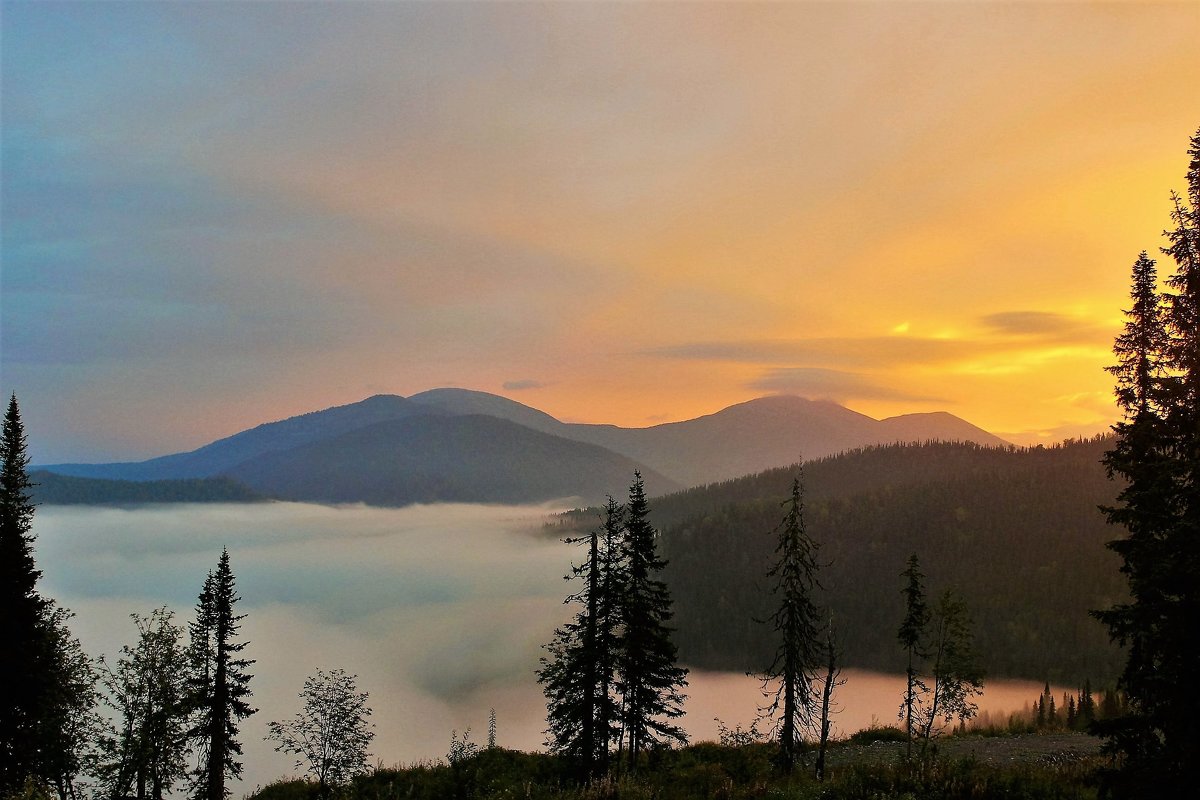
1157,454
911,635
220,686
576,676
23,662
648,680
796,623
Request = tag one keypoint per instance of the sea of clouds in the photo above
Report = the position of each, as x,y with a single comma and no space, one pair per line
441,611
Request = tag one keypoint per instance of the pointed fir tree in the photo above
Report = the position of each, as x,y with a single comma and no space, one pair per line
648,680
796,623
220,687
577,674
910,636
23,688
1157,454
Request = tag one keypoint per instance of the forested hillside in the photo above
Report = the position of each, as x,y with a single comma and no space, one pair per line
52,489
1017,532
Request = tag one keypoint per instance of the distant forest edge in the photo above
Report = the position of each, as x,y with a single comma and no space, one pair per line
1015,531
52,489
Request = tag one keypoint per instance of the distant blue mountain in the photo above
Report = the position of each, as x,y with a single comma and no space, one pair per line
423,441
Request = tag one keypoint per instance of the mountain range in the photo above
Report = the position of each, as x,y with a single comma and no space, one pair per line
468,446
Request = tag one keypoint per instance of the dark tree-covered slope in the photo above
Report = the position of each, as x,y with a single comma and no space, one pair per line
470,459
51,489
1017,532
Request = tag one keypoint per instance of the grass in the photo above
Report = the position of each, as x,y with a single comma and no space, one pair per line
867,766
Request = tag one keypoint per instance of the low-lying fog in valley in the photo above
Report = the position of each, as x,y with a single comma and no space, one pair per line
440,610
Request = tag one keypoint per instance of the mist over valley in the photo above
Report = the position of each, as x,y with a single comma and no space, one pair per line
441,610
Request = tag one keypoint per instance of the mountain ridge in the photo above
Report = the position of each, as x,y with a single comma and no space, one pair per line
741,439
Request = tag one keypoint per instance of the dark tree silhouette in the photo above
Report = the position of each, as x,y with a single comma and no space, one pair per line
47,686
578,673
23,690
796,622
911,635
145,753
832,680
955,676
648,679
220,683
1157,454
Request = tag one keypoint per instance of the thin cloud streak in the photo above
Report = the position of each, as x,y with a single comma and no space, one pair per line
829,384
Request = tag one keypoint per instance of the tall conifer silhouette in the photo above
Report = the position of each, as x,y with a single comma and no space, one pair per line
1157,453
221,683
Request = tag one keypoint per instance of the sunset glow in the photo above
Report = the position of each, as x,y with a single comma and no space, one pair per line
216,215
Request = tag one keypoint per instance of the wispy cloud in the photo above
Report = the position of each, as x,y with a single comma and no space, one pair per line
1045,324
829,384
522,385
831,351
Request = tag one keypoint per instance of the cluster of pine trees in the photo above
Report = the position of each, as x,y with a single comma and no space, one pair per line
613,687
1157,453
1076,711
175,705
610,675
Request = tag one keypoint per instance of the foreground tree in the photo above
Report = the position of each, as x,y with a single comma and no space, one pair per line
47,685
23,690
577,674
833,679
955,676
911,634
1157,454
146,752
219,683
71,727
331,734
648,680
796,623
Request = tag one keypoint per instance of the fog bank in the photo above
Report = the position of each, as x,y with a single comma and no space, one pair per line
440,610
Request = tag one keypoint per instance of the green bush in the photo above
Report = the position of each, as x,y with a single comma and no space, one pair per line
881,733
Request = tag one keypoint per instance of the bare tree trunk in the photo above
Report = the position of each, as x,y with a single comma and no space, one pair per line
831,675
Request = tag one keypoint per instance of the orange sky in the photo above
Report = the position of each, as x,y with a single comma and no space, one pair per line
218,215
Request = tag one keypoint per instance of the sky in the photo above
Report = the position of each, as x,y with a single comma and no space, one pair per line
219,214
